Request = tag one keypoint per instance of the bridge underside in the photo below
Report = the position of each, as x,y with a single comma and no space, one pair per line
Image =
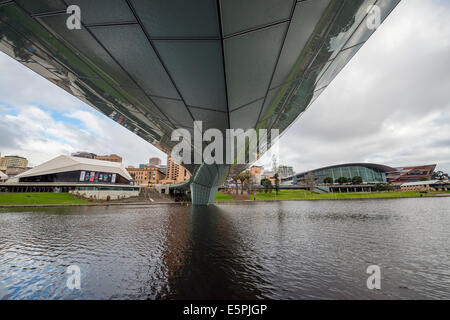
155,66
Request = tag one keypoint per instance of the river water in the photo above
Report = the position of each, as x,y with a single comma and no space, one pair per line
270,250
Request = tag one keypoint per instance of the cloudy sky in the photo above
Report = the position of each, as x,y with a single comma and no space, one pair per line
390,105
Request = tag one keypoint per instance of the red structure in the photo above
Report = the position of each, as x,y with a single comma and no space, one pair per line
410,174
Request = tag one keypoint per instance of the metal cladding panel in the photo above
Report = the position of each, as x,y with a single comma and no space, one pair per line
196,67
154,66
239,16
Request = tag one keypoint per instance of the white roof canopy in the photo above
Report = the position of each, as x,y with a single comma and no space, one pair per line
66,164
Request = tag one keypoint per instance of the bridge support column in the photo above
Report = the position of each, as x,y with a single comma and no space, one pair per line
206,182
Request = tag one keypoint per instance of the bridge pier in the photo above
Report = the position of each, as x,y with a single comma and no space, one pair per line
206,182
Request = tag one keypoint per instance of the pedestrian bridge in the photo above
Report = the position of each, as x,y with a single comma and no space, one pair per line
155,66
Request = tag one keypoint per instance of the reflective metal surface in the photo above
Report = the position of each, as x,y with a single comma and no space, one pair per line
278,250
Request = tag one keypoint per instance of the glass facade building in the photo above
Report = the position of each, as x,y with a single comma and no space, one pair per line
370,173
81,176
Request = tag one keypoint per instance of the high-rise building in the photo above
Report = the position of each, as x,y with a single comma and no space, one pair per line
155,161
175,172
13,162
111,158
285,171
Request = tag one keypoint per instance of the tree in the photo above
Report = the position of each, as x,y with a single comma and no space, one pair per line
328,180
245,178
241,179
357,180
235,180
383,187
342,180
439,175
267,185
277,183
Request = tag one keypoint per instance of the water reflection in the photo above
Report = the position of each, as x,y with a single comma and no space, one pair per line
215,265
279,250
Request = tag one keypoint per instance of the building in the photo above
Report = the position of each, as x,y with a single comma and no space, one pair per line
146,176
90,155
88,177
14,171
256,174
175,173
83,154
75,169
269,175
147,165
410,174
429,185
155,161
13,165
3,177
246,64
111,158
152,163
369,172
285,171
13,162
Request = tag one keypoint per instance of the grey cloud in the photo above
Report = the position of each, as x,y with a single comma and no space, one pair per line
9,136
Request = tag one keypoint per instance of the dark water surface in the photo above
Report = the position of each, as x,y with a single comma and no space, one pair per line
278,250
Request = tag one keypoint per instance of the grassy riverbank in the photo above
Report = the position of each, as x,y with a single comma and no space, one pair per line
300,194
308,195
222,197
27,199
38,198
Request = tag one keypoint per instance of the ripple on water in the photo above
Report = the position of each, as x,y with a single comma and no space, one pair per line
279,250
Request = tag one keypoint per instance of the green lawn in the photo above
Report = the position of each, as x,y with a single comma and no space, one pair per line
284,195
39,198
222,197
307,195
443,191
